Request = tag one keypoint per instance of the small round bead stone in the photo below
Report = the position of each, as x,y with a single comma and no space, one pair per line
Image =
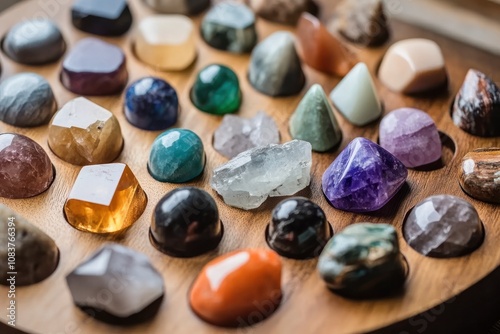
177,156
186,223
298,229
216,90
151,104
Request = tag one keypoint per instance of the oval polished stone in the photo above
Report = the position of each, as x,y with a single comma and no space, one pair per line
25,168
186,223
106,18
177,156
34,42
234,289
151,104
26,100
479,174
186,7
443,226
94,67
298,229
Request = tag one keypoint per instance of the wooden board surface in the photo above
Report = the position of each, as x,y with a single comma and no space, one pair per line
307,306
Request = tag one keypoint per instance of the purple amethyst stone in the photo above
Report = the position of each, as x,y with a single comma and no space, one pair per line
363,178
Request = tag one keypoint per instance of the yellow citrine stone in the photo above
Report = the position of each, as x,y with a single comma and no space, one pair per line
105,199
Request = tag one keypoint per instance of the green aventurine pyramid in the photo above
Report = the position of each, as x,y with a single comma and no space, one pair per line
314,121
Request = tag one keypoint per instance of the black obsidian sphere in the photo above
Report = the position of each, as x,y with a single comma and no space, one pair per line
105,18
186,223
298,229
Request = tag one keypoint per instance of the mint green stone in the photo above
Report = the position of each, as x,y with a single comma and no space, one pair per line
177,156
314,121
216,90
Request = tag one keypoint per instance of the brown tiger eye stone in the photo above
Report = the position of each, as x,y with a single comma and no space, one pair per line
479,174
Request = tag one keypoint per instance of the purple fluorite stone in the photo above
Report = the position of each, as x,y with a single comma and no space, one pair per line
363,178
94,67
411,135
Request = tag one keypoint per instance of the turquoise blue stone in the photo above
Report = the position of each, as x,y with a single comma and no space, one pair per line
177,156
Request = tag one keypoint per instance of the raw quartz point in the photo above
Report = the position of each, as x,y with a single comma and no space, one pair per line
363,178
411,136
105,199
476,108
26,100
413,66
37,255
84,133
314,121
443,226
479,174
321,50
363,261
25,168
34,42
185,7
251,177
285,12
275,68
134,288
166,42
236,134
94,67
362,22
106,18
356,97
230,26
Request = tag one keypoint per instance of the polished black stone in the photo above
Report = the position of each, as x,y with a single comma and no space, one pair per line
186,223
298,229
105,18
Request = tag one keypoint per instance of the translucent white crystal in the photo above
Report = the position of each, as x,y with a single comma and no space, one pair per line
275,170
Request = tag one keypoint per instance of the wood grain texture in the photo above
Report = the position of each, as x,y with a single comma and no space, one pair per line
307,306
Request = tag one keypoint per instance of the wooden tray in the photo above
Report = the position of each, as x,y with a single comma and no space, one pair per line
307,307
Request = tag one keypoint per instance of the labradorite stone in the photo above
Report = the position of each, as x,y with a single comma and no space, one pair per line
105,18
177,156
230,26
26,100
216,90
363,261
34,42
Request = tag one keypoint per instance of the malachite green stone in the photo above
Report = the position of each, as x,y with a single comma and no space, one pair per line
177,156
314,121
216,90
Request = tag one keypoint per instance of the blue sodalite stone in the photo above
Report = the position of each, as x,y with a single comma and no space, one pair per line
177,156
151,104
363,178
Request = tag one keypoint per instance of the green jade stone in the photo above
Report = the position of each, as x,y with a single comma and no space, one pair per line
216,90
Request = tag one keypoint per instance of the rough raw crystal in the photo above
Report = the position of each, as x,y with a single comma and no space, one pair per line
230,26
186,7
237,134
413,66
117,285
106,18
314,121
298,229
251,177
356,98
94,67
476,108
411,136
443,226
26,100
84,133
282,11
25,168
321,50
479,174
186,223
362,22
275,67
105,199
234,287
363,261
363,178
34,42
166,42
36,254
